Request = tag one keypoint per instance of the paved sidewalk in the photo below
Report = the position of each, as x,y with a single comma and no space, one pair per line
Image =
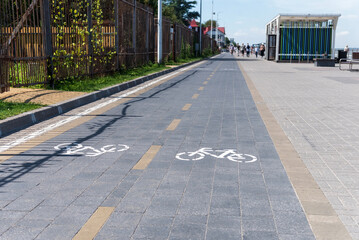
318,109
188,159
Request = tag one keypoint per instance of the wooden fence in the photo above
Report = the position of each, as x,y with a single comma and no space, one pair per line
42,41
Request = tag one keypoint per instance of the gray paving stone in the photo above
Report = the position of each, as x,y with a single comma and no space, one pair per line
225,205
58,232
224,222
114,233
256,235
123,220
44,213
257,224
195,204
223,233
291,223
256,207
297,237
152,231
135,202
188,231
164,205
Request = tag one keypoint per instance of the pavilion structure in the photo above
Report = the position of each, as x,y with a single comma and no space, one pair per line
301,37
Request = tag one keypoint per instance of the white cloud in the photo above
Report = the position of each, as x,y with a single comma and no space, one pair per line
240,34
343,33
255,30
317,6
350,16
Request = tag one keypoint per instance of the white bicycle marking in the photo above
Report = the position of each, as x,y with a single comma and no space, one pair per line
230,154
76,148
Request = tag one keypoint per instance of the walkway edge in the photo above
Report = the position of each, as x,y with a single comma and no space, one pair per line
321,216
24,120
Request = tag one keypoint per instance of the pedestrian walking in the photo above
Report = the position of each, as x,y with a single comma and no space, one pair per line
242,49
262,49
248,49
256,50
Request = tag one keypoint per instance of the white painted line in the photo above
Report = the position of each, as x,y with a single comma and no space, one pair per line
86,112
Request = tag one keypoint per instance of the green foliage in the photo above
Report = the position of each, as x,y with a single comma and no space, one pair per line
71,42
207,52
180,10
8,109
186,50
87,84
227,41
208,23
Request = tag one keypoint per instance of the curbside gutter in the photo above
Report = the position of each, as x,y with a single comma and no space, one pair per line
24,120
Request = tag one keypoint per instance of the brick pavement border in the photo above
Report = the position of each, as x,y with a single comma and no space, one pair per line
321,216
27,119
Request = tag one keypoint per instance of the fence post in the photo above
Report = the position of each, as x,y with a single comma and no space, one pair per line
117,35
47,36
174,42
134,31
89,29
147,32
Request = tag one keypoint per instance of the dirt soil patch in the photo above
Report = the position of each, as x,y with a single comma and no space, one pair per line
39,96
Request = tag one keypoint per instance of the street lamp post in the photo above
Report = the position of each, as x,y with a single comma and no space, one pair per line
217,29
159,31
212,27
200,30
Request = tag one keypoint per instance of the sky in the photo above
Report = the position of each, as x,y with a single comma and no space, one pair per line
245,20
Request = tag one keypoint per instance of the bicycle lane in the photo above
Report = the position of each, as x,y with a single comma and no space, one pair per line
47,187
145,191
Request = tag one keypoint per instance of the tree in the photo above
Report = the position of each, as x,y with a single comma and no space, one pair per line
151,3
175,10
208,23
179,10
227,41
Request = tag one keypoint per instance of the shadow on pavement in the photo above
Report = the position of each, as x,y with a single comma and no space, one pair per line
12,169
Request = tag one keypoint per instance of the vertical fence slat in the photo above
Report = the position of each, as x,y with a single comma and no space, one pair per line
47,37
89,39
117,34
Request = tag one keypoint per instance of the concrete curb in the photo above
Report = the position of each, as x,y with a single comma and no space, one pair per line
27,119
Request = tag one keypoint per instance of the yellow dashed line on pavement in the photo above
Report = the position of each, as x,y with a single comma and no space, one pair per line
94,224
195,96
209,78
186,107
205,82
173,125
201,88
147,158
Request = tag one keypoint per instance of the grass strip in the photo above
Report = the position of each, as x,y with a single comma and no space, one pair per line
8,109
90,84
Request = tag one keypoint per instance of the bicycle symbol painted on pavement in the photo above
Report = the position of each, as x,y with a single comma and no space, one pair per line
230,154
76,148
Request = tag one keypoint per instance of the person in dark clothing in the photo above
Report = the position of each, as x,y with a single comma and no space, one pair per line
262,49
248,49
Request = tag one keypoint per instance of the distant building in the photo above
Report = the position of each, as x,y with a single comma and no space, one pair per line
221,34
193,24
301,37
